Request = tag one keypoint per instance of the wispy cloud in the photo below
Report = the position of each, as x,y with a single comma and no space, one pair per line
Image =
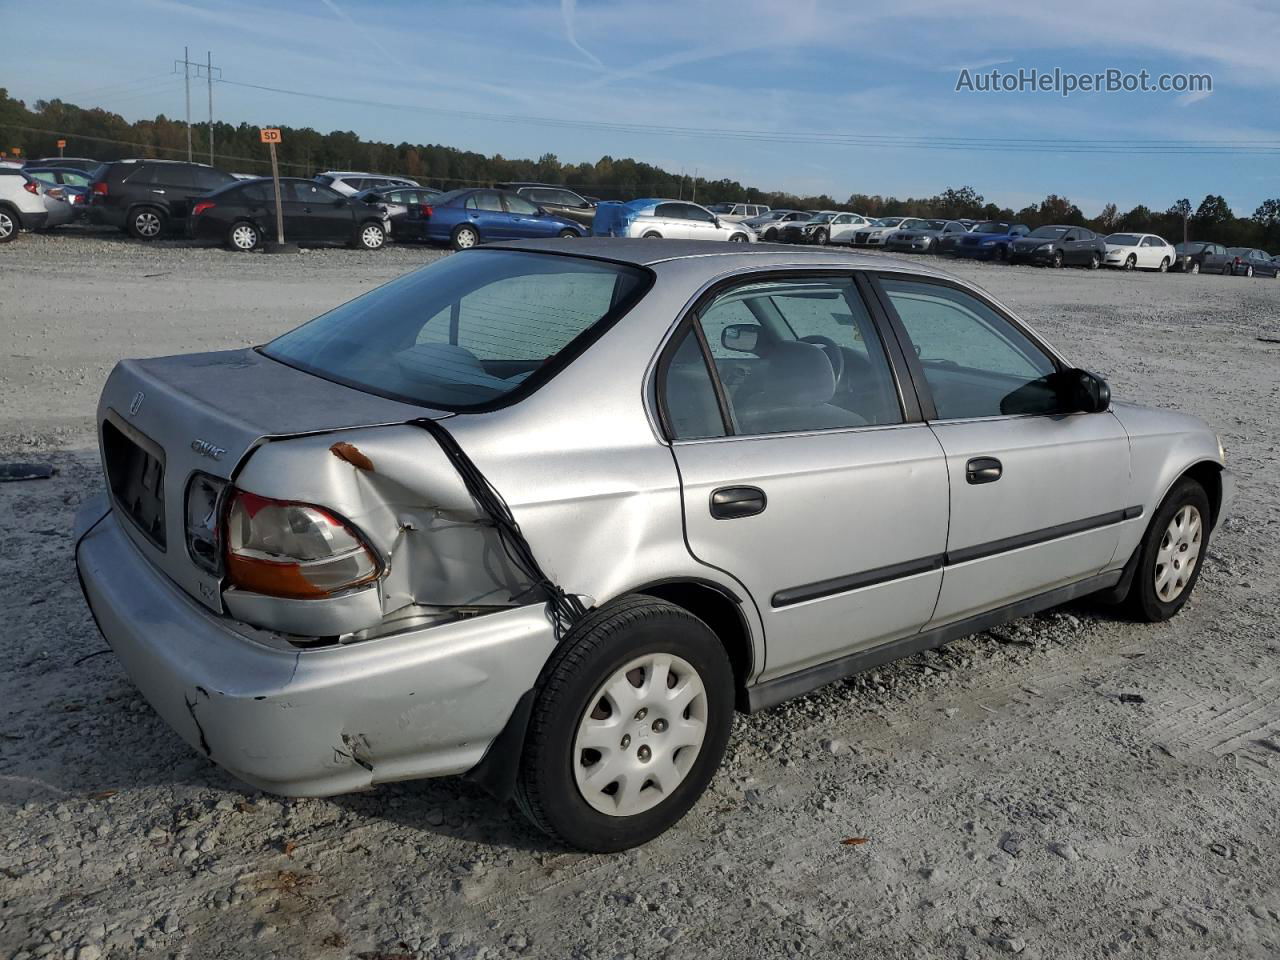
1187,99
569,15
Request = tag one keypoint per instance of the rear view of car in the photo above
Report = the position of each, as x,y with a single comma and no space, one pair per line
28,204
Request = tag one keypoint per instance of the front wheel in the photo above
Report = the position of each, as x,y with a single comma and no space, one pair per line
630,723
1228,270
1095,261
1002,253
1248,271
146,223
1195,267
771,235
371,236
568,235
1164,265
1169,564
464,238
738,238
8,226
1057,259
1130,262
652,235
820,237
243,237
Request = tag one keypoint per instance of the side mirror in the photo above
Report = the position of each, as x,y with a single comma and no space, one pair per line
1083,392
740,337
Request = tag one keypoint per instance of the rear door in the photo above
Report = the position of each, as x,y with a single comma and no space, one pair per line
1037,497
827,498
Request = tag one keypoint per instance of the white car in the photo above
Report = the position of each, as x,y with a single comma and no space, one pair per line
876,232
666,220
349,182
738,211
28,204
1139,251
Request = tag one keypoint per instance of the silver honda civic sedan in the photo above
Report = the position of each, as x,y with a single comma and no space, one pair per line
547,515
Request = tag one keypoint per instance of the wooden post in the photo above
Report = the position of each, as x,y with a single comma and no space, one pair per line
275,179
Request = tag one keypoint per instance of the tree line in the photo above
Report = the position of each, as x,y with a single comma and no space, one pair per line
34,131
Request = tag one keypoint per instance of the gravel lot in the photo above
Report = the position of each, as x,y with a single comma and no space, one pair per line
1012,803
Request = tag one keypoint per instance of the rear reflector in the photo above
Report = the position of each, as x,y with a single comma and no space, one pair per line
31,187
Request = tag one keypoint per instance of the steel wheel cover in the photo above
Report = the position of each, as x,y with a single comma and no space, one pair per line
371,237
640,735
244,237
1178,553
466,238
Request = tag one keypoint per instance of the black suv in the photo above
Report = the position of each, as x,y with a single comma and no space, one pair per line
146,198
558,200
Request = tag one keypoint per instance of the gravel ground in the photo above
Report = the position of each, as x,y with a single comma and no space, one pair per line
1011,801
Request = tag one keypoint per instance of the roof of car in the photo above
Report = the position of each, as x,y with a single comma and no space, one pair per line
645,253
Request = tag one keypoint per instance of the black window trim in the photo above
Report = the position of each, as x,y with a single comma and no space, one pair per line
916,369
907,400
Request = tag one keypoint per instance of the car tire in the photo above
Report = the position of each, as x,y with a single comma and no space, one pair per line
1228,270
464,237
1164,577
243,237
1194,268
568,235
1002,253
771,235
146,223
820,237
1131,262
642,648
1164,265
651,235
738,238
1095,261
1058,260
1248,271
10,224
371,235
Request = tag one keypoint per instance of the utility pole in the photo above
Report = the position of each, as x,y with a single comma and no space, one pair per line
186,71
209,77
695,184
210,73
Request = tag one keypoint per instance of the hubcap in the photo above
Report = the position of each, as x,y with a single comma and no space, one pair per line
1179,551
6,225
244,237
640,735
466,239
1195,268
372,237
148,224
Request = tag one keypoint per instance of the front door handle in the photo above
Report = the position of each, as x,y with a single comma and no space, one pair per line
729,503
983,470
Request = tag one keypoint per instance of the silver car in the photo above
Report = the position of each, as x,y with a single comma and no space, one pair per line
924,236
548,517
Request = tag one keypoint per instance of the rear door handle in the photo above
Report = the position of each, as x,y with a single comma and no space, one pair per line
983,470
729,503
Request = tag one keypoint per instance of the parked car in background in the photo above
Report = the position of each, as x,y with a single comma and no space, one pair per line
877,231
146,198
242,215
1138,251
767,226
74,184
465,218
948,242
798,231
407,208
1200,256
738,211
990,240
83,164
924,236
559,201
350,182
28,204
548,513
840,229
1058,245
1249,262
654,219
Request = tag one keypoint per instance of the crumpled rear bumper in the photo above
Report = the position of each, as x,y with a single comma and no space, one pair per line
316,722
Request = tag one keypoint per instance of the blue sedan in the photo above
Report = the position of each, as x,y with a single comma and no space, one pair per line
463,218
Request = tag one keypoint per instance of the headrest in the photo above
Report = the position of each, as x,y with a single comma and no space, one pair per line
798,375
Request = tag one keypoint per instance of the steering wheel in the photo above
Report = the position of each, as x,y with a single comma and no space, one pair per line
833,352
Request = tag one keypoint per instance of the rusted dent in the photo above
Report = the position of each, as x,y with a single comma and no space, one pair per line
351,454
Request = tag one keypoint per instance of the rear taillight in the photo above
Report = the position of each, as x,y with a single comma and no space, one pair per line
1238,261
426,210
31,187
201,207
204,508
293,550
99,188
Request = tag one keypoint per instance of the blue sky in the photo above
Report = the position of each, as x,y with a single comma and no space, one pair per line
761,65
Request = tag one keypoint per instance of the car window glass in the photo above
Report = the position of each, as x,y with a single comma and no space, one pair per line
776,381
487,200
256,193
689,396
976,363
520,205
669,211
45,176
176,175
697,213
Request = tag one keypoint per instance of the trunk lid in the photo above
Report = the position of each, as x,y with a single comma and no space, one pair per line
161,420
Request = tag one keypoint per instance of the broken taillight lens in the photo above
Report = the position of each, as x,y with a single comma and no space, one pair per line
293,550
205,500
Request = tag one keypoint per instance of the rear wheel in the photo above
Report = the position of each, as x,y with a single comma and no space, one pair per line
651,235
771,235
8,225
146,223
631,720
738,238
1228,269
1164,265
243,237
568,235
1248,271
464,238
1002,253
1169,564
1130,262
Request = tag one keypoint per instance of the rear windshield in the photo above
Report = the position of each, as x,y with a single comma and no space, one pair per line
992,227
466,331
1124,239
1190,248
1047,232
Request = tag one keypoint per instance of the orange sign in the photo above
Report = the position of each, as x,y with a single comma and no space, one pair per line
17,151
61,144
269,135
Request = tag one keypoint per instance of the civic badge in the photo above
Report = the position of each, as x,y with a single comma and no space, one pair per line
207,449
136,403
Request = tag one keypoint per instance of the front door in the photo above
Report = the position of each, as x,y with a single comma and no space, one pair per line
1038,497
810,484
